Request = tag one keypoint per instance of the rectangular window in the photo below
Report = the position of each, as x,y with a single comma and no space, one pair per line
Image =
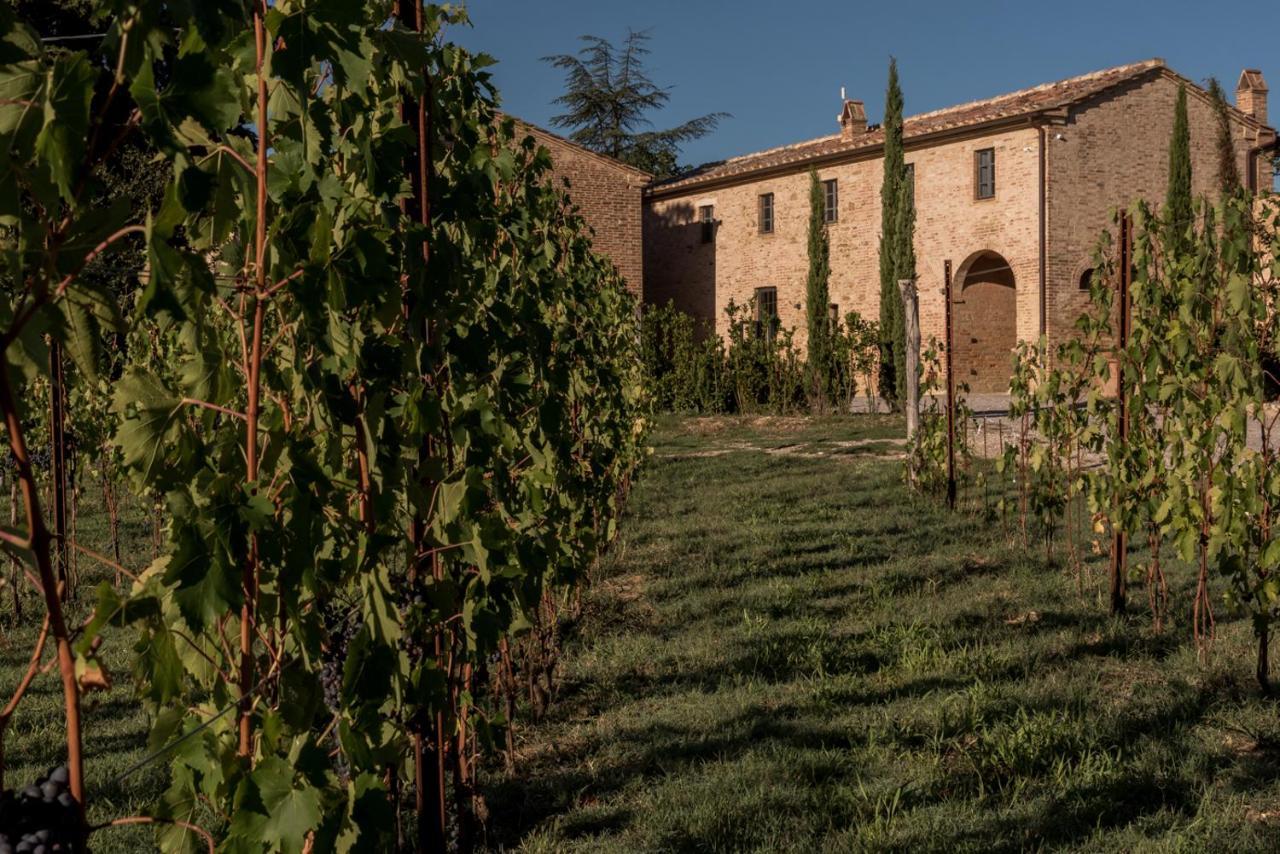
985,163
766,312
766,213
911,184
831,200
707,216
833,316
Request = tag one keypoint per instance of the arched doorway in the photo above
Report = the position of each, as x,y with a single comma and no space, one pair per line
986,322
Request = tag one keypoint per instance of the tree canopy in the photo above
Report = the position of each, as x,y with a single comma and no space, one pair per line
608,98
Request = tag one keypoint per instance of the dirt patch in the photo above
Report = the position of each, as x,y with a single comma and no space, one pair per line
720,451
785,423
1269,817
862,443
706,425
627,588
891,449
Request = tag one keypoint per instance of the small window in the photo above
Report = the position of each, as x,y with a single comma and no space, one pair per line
766,312
766,213
831,200
833,315
910,179
1086,279
707,216
985,161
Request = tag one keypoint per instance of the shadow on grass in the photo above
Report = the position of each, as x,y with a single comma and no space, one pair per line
815,657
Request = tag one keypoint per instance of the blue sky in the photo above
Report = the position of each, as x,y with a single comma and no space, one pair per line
777,67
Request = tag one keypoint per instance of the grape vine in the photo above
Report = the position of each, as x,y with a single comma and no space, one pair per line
386,392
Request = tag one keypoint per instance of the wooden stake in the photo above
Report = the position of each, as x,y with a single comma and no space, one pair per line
911,320
1119,543
951,391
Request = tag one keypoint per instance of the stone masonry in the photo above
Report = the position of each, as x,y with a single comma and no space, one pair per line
1066,155
608,194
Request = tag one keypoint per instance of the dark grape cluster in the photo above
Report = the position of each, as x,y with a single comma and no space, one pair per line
42,818
341,626
41,459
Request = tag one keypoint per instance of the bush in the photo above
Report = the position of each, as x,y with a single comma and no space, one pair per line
689,368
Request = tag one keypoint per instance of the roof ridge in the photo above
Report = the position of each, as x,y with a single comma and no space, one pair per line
1075,89
1132,67
1127,68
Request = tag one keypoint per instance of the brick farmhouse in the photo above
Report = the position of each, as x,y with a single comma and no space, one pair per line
607,193
1014,190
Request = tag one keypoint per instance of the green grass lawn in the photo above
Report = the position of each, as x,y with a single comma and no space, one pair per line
114,724
785,651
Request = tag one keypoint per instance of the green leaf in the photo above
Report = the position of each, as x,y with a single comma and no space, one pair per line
148,413
287,807
62,140
157,658
204,576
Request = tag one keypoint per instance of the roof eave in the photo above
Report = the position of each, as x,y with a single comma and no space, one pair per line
852,155
604,158
1056,114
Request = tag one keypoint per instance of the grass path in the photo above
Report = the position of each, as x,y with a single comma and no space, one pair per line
785,652
114,724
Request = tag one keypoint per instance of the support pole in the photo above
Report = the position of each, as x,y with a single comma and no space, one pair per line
911,320
58,460
430,753
1119,543
951,390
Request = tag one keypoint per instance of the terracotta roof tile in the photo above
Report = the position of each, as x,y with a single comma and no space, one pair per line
1023,102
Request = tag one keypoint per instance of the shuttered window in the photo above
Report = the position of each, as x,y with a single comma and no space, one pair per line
985,161
766,213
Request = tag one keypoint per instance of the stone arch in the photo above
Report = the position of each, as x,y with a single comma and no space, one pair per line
1082,276
986,321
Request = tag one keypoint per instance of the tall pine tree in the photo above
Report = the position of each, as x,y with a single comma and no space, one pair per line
817,293
1177,202
892,331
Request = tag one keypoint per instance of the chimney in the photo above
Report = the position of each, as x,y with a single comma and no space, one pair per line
853,119
1251,94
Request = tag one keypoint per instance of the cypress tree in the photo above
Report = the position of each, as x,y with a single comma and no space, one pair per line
817,292
1228,171
892,340
904,268
1177,203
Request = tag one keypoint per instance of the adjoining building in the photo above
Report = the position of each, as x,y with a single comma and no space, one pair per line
608,194
1013,190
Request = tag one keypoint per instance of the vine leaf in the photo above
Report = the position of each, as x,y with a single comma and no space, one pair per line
277,808
66,119
149,411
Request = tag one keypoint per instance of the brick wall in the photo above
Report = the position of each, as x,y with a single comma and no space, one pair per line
1115,149
1102,153
951,224
609,196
